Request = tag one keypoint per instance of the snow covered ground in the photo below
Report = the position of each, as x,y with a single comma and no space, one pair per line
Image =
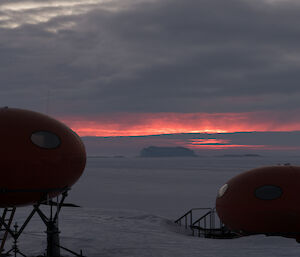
129,205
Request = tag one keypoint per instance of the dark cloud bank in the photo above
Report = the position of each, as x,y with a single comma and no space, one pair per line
166,55
263,143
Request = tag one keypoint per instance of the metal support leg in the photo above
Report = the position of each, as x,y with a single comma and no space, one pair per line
51,223
53,248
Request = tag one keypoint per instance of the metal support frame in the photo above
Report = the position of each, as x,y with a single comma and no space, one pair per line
51,223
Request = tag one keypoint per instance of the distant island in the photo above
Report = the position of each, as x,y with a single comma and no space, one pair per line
157,151
239,155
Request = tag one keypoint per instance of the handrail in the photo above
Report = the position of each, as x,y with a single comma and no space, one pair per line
201,218
187,213
206,225
190,211
190,215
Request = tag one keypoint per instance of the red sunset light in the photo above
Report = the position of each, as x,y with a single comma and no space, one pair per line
143,124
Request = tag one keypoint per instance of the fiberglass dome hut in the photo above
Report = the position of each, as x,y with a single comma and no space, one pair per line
262,201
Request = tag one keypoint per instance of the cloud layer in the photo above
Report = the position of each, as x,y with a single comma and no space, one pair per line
265,143
89,57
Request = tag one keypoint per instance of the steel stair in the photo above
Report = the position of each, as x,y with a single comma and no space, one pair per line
208,225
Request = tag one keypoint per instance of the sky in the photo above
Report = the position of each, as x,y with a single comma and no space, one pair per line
112,68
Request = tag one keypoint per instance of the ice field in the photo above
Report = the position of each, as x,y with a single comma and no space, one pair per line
129,205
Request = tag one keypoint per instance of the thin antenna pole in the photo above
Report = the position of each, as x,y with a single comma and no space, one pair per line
47,102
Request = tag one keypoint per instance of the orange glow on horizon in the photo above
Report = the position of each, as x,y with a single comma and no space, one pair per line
145,124
225,146
213,143
209,141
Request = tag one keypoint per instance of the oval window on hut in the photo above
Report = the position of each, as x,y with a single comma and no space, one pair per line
45,139
268,192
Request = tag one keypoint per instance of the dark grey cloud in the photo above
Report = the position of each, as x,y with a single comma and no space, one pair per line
264,143
151,56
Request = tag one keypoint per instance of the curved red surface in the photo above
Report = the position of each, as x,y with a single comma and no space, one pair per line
28,171
240,210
